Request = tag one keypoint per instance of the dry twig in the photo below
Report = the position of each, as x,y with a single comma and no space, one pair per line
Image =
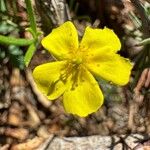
144,81
40,97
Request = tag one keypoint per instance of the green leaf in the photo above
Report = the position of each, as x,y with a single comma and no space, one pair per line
29,54
31,15
2,6
16,57
2,54
8,40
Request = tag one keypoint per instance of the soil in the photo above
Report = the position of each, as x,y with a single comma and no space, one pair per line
27,118
26,114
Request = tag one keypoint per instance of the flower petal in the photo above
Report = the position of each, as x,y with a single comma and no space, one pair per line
62,41
85,98
97,39
47,78
111,67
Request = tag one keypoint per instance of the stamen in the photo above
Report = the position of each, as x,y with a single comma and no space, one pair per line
52,88
75,79
77,61
66,72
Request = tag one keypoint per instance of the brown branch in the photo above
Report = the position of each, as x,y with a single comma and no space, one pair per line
147,82
144,81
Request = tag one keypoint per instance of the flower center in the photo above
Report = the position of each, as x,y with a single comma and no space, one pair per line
77,61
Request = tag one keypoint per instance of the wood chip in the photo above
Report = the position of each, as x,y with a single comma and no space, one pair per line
18,133
16,79
32,144
34,117
15,115
5,147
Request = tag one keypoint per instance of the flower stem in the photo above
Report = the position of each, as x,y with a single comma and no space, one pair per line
8,40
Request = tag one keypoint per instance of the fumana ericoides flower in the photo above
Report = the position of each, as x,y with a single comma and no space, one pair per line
72,74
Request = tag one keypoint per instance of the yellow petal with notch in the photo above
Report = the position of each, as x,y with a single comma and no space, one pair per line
97,39
111,67
85,98
62,42
48,79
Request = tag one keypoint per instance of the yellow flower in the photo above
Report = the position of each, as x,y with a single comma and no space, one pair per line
71,75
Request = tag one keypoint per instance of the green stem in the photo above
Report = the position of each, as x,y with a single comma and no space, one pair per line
31,15
8,40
